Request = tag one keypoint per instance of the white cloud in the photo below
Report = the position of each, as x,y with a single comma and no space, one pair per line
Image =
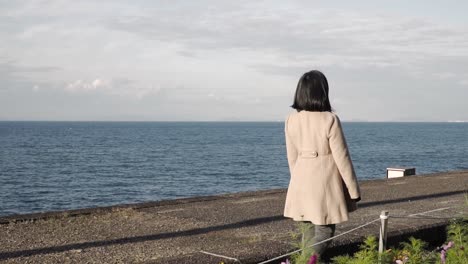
200,53
299,34
445,75
115,87
464,82
84,86
35,31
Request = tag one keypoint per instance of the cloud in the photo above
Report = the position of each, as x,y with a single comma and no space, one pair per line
79,85
35,31
445,75
240,54
300,34
14,75
296,34
464,82
13,67
116,87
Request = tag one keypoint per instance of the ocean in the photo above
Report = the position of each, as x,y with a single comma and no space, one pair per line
48,166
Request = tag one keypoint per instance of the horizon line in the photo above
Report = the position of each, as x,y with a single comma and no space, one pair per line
233,121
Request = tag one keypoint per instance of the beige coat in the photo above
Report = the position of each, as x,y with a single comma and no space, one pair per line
323,180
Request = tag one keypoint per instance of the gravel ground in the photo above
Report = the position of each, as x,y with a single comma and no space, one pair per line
247,226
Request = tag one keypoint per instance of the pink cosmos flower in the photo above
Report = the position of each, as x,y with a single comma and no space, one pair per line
313,259
449,245
443,253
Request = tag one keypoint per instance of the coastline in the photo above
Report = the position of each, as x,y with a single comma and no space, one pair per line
248,226
169,202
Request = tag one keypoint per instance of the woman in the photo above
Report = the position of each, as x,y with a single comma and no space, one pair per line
323,187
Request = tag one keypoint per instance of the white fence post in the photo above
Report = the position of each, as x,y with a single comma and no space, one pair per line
383,231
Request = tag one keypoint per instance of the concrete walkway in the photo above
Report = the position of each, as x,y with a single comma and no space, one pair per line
248,226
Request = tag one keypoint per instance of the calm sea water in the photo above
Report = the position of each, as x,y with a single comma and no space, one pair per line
67,165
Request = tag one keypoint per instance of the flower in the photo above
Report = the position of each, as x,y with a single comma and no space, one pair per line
313,259
442,256
449,245
443,252
287,262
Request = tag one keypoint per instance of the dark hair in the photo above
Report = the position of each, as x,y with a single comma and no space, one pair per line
312,93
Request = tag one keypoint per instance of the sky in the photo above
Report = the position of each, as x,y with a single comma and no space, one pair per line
215,60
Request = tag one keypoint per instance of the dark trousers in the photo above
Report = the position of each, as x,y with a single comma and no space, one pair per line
323,232
318,234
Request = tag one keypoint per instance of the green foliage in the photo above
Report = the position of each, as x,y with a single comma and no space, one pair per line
411,252
368,254
457,232
343,260
415,249
304,240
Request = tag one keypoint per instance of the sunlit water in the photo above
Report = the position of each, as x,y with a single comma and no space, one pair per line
67,165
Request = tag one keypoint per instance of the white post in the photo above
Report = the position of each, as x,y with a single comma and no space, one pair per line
383,231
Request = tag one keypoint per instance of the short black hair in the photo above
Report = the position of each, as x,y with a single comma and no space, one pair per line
312,93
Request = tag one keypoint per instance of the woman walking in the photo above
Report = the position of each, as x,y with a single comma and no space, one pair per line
323,187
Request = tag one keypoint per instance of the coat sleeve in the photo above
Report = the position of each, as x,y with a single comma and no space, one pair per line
342,159
291,150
